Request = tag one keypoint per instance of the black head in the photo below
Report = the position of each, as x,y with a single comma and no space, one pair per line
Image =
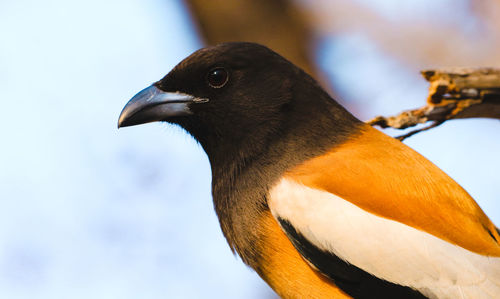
237,95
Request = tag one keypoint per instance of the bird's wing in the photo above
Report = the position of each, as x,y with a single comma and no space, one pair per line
375,207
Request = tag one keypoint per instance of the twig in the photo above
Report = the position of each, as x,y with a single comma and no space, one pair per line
433,125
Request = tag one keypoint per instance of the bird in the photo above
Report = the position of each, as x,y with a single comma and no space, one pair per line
317,202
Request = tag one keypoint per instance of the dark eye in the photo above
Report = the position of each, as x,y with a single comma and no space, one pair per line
217,77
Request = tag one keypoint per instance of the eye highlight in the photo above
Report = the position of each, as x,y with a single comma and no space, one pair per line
217,77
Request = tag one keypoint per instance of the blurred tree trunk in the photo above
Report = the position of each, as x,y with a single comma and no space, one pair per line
277,24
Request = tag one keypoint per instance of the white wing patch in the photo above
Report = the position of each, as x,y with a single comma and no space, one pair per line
385,248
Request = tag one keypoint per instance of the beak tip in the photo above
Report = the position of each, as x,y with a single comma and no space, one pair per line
120,123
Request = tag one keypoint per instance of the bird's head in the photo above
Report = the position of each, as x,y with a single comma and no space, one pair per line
233,95
227,91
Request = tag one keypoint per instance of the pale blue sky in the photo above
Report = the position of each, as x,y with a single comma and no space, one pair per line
87,211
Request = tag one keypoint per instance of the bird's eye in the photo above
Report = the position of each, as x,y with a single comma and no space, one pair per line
217,77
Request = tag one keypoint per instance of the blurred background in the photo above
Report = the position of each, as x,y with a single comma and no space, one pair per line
87,211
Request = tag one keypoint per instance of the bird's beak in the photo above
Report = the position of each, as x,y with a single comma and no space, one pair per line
152,104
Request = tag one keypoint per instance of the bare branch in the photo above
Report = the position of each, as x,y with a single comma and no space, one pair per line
453,93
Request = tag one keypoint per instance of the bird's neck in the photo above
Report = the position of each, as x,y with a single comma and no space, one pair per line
242,178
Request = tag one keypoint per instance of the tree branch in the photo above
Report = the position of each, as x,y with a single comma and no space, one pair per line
453,93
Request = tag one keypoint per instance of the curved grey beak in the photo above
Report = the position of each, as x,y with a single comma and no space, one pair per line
152,104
